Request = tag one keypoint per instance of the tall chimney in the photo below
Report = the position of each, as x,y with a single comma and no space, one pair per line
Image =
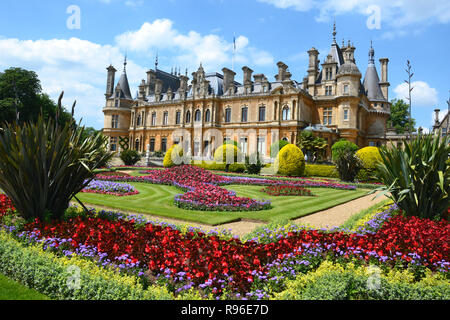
110,81
313,69
150,86
384,83
158,89
282,68
228,80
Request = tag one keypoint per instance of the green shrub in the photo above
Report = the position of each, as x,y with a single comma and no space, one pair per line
290,161
44,165
342,146
237,167
130,157
232,142
253,164
370,157
50,275
417,177
321,170
349,282
276,147
347,164
174,153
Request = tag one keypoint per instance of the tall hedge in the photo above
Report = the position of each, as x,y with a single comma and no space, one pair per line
173,157
370,158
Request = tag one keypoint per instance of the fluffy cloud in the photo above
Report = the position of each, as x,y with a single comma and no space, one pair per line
422,95
75,66
397,13
191,48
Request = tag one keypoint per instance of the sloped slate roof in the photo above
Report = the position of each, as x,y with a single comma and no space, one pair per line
124,86
371,84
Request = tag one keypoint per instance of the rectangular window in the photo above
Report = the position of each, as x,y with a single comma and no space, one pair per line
346,114
228,115
115,121
327,116
113,144
152,145
261,145
328,90
262,114
166,119
178,117
371,144
345,88
153,119
164,145
116,103
244,114
244,145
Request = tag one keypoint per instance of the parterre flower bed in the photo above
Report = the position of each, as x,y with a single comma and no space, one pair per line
286,191
204,191
110,187
192,259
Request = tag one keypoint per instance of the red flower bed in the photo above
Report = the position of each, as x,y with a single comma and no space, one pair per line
208,259
5,204
280,190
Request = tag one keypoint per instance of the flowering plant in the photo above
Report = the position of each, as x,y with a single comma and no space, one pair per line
111,188
283,190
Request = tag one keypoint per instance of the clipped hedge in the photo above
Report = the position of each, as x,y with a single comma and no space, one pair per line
227,154
290,161
49,274
168,161
370,157
321,170
336,282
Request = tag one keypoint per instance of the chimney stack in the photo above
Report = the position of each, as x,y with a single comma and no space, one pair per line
110,81
228,80
384,84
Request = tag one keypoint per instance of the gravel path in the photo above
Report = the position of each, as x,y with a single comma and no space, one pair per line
323,219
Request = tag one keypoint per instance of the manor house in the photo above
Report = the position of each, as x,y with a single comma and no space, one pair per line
200,112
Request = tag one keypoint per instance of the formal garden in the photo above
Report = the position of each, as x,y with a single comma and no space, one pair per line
73,227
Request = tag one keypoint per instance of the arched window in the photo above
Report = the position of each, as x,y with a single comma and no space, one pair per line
286,113
207,116
188,116
198,116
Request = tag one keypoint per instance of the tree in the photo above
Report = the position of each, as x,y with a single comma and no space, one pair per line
21,91
315,147
399,118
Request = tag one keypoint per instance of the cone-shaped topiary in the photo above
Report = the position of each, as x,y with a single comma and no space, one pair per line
173,157
370,157
290,161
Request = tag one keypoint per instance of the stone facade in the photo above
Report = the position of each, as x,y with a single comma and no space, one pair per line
331,100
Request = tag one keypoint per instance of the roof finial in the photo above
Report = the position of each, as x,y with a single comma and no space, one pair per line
125,64
156,61
334,31
371,54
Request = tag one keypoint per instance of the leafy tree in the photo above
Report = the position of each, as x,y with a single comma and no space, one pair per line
399,118
312,145
21,91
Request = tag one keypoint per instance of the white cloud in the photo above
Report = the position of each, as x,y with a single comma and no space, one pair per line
398,13
422,94
189,49
76,66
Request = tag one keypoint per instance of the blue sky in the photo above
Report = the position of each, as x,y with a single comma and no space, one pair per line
35,35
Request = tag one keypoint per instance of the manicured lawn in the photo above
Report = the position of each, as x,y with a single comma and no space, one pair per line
158,200
12,290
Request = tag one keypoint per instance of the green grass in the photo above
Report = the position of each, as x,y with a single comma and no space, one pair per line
158,200
12,290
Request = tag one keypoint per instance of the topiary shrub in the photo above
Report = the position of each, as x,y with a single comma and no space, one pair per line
173,157
370,157
290,161
130,157
321,170
276,147
228,154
